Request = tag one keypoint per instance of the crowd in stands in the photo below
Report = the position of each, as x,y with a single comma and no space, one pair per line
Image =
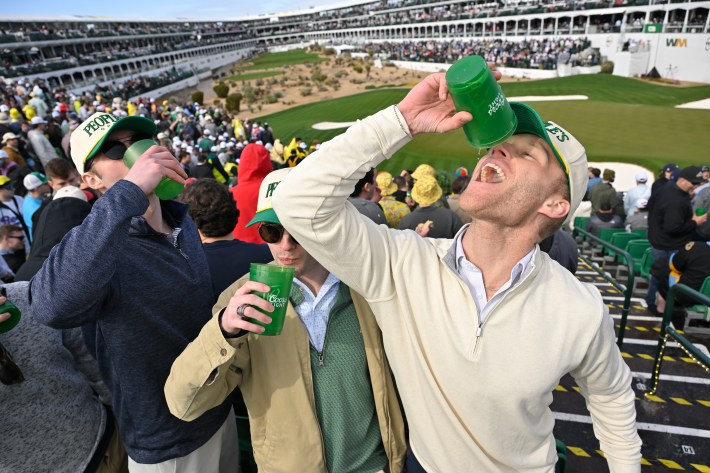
527,54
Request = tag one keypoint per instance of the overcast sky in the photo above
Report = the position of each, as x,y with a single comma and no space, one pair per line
158,9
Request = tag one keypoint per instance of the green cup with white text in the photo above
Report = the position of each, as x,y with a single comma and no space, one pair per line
474,89
279,279
700,211
14,319
168,189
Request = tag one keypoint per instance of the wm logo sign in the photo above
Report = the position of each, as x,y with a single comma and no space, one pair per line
677,42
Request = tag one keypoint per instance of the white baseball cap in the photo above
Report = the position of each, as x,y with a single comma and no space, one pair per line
568,151
33,180
37,120
641,177
87,139
264,209
70,192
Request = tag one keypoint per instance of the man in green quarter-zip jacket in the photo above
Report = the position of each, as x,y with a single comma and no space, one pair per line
320,395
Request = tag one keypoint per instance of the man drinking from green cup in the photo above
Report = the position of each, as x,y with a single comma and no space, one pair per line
320,395
480,328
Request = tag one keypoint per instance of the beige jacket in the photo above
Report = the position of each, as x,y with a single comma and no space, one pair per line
274,375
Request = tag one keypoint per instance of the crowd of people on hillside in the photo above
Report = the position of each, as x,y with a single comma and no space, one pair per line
159,322
527,54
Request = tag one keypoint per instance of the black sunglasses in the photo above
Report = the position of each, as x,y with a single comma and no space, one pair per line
9,372
272,232
115,149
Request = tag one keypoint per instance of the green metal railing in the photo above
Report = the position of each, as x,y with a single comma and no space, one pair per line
667,331
626,289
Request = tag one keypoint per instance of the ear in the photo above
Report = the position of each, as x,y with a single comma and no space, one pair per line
92,180
555,207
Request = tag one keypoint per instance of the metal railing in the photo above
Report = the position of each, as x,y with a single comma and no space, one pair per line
626,289
668,331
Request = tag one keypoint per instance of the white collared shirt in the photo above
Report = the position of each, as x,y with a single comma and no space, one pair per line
314,311
473,277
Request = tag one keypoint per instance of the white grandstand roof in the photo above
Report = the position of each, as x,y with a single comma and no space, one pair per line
142,19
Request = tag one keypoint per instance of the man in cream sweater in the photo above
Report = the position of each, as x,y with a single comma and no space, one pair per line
480,332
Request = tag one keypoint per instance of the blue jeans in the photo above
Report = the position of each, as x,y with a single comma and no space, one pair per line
652,280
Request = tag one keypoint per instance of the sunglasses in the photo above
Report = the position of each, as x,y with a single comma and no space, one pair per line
115,149
9,372
272,232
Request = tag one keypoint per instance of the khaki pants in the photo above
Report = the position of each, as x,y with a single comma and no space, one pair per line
219,455
115,459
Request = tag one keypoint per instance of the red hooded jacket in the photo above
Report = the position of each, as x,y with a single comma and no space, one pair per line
254,165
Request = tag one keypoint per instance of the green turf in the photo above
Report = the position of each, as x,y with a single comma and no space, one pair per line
272,60
624,120
254,75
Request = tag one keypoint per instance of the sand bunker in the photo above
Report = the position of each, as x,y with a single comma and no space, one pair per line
699,104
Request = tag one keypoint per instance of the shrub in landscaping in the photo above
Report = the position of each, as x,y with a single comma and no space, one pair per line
607,67
222,90
233,101
198,97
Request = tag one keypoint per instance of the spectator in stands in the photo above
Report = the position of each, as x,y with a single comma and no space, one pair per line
11,145
11,208
605,192
402,190
37,102
215,213
348,411
14,172
604,218
12,246
40,144
699,192
633,195
133,269
60,173
427,314
457,187
53,419
393,209
690,265
444,222
594,178
38,191
362,195
266,135
639,219
671,221
203,169
561,247
254,165
664,177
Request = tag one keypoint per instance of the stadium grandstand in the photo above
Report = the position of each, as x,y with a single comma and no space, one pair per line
640,37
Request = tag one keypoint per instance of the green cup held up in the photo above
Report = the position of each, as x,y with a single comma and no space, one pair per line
280,280
474,89
167,189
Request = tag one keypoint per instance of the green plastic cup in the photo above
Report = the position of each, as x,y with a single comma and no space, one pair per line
14,319
474,89
167,189
279,279
700,211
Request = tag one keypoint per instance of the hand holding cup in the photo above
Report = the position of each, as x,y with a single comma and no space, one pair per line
232,322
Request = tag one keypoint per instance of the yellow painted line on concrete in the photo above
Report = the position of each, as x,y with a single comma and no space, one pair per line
704,403
601,454
668,358
657,329
687,359
670,464
576,388
654,398
641,329
681,401
560,388
626,355
701,468
578,451
645,356
645,462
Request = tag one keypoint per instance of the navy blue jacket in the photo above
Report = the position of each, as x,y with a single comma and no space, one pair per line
140,300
